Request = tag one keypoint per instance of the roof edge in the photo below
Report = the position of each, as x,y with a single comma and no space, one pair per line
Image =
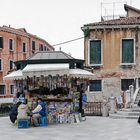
127,7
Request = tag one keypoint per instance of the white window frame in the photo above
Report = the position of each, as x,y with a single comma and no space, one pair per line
41,45
101,85
12,44
25,47
126,78
1,65
89,52
32,45
3,42
134,47
11,84
9,64
44,48
4,91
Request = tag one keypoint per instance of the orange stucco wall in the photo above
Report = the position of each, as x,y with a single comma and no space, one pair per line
17,53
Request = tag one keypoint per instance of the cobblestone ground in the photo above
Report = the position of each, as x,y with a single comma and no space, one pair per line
94,128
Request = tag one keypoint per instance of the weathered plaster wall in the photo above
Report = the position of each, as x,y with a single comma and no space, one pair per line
111,72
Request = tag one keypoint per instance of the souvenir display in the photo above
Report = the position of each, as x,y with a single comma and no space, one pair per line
60,93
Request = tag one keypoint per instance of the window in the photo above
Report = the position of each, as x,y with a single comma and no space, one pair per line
11,44
2,89
41,47
95,85
33,45
1,42
1,65
24,47
11,64
127,51
11,89
45,48
95,52
125,83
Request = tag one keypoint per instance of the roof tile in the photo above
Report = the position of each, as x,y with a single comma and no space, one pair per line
120,21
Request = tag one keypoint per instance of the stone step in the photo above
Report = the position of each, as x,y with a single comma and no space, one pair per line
137,99
117,116
131,109
138,95
128,113
136,102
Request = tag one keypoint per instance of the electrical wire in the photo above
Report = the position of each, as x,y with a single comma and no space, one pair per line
69,41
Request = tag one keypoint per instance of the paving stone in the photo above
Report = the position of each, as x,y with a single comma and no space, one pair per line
94,128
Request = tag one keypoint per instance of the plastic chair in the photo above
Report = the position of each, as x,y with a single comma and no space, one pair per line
23,123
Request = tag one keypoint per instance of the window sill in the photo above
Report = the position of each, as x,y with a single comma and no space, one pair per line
95,65
4,95
98,66
11,51
127,64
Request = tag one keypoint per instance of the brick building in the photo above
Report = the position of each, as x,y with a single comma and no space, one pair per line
16,44
112,50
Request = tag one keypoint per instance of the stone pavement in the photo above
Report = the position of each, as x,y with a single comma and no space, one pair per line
94,128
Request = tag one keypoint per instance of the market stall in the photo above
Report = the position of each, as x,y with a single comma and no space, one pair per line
60,86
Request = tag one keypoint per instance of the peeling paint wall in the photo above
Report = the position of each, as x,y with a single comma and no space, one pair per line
111,86
111,72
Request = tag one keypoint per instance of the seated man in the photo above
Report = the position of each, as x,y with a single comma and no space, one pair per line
39,111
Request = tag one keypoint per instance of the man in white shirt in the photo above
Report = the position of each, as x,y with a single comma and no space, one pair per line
39,111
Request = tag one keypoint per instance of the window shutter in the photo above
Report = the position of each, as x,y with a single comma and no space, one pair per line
128,51
95,52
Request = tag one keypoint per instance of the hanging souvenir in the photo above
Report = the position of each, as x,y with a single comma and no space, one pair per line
41,80
69,83
65,81
50,81
44,82
34,82
37,82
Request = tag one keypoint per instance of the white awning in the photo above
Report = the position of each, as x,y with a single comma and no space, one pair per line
45,69
48,69
14,75
80,73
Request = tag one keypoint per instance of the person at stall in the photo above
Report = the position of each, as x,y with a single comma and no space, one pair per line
23,111
38,112
14,112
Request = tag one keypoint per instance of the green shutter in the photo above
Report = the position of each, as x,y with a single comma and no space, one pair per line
128,51
95,52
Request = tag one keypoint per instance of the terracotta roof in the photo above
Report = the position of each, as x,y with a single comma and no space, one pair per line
22,32
127,7
120,21
13,30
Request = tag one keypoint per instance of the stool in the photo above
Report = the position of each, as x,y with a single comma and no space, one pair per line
23,123
43,121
